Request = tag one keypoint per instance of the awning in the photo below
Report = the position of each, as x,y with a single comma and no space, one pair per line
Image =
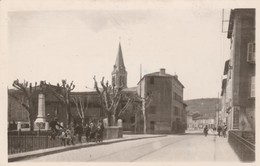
226,68
223,87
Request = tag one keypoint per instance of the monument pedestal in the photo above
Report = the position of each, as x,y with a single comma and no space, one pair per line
41,118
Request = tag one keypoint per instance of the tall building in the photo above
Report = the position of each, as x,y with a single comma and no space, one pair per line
119,74
238,86
166,111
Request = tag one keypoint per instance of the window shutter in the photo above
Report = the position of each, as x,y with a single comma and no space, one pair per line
252,93
251,52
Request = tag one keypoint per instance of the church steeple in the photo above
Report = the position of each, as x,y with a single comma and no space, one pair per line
119,74
119,59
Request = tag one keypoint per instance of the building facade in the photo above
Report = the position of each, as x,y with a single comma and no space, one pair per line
238,86
165,114
166,111
199,122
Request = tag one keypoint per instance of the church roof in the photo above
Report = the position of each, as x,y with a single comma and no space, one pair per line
119,64
132,89
159,74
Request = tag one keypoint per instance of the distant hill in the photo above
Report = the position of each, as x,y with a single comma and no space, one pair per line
203,106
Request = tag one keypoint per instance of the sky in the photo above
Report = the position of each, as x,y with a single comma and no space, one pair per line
77,44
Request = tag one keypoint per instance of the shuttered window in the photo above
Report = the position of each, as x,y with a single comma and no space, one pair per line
252,87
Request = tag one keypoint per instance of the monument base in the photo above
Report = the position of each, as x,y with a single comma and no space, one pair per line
41,125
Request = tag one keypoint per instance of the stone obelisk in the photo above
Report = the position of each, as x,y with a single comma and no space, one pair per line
41,118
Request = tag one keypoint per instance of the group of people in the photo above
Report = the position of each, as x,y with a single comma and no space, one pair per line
220,130
93,132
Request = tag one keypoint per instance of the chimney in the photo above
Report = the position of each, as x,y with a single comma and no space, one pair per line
162,71
175,75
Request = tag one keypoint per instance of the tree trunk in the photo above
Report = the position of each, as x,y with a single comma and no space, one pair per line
144,114
68,116
83,121
31,120
109,119
113,120
144,122
135,130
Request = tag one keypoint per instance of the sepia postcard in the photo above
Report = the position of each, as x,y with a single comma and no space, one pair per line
158,82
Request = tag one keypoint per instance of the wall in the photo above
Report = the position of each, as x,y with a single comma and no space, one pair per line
242,115
113,132
159,110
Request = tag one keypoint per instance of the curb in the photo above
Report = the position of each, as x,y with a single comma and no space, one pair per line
20,156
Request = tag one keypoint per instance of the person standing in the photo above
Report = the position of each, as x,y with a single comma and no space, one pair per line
63,137
101,130
79,131
70,136
205,130
53,124
224,130
87,132
219,130
92,134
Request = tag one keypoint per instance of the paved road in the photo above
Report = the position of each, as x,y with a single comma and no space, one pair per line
170,148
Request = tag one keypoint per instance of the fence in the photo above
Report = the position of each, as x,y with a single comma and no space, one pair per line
25,143
243,148
29,141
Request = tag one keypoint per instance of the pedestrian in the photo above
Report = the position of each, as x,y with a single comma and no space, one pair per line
205,130
99,132
79,131
63,137
224,130
92,134
53,125
219,130
87,132
69,138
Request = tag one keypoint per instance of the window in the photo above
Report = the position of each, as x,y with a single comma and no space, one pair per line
151,80
251,52
177,97
252,86
176,111
230,72
152,109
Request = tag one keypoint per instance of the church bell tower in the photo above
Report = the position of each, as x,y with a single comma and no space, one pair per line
119,74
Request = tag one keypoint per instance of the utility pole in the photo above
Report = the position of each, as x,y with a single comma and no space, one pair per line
218,108
136,119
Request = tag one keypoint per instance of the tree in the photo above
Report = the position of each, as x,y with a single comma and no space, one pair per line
62,93
27,99
110,97
120,111
81,107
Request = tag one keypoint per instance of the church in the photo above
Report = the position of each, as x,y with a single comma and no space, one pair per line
165,112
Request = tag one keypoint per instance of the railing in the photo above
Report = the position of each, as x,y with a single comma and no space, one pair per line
25,143
243,148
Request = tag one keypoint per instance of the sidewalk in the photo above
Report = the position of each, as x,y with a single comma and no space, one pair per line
223,150
43,152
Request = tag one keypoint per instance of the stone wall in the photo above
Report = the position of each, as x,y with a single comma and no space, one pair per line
113,132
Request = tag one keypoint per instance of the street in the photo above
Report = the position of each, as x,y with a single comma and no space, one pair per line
171,148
